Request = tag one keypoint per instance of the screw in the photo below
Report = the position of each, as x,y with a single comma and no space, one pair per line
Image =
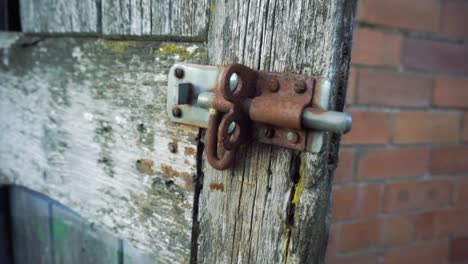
299,87
172,147
269,132
273,85
179,73
176,111
293,137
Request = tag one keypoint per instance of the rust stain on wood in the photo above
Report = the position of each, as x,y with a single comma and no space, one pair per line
217,187
167,169
145,166
189,151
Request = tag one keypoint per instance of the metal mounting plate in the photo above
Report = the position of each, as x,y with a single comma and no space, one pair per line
205,78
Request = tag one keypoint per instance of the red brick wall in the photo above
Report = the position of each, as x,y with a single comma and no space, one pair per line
401,188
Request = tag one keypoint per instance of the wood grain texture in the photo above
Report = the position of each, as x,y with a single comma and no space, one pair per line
84,122
274,206
178,18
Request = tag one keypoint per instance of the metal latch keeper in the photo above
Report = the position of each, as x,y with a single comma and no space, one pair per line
237,104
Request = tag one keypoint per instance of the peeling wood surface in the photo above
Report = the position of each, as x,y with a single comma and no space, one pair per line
178,18
83,121
274,206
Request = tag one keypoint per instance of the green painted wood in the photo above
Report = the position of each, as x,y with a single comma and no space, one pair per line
76,241
30,228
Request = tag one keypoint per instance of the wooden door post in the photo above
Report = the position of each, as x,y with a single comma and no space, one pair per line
274,206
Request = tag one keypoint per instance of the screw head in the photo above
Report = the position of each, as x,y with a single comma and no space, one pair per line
179,73
172,147
273,85
176,112
293,137
299,87
269,132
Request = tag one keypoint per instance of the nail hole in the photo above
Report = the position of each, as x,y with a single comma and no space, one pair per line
169,183
141,128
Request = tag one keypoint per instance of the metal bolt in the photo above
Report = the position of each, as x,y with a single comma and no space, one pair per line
269,132
179,73
176,111
273,85
172,147
299,87
293,137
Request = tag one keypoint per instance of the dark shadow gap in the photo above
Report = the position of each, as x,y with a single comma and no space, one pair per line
10,15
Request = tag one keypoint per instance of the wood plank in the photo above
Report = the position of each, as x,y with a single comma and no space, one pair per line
30,227
76,241
83,121
274,206
179,18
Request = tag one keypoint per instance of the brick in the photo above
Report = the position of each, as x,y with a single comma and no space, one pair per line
369,127
376,48
434,252
435,56
451,222
454,19
392,163
420,15
424,226
377,87
352,202
366,258
451,93
397,230
426,127
417,195
352,82
448,160
464,135
459,249
442,223
345,170
460,195
360,235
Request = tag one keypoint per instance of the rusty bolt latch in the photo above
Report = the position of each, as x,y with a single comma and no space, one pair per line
282,109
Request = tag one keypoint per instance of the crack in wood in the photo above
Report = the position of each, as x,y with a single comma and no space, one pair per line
198,186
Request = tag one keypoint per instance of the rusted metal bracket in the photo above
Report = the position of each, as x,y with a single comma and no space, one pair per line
237,104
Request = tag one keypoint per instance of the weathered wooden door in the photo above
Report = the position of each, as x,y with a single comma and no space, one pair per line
83,120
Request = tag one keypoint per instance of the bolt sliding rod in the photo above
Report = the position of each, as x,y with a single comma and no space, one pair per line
331,121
